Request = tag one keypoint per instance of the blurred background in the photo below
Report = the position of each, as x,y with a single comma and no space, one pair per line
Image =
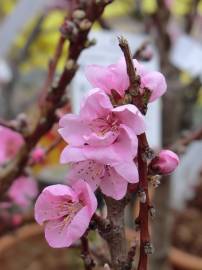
169,33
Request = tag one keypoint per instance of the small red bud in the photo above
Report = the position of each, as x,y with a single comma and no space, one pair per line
164,163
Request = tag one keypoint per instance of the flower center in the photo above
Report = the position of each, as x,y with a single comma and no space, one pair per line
70,209
103,125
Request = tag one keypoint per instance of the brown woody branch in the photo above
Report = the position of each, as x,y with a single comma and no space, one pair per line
133,77
193,136
144,204
87,258
143,155
116,238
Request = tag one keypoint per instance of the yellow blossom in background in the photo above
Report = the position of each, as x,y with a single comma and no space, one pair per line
7,6
180,7
118,8
185,78
43,47
149,6
200,7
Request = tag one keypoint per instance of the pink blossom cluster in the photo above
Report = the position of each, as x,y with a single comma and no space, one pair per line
101,151
24,189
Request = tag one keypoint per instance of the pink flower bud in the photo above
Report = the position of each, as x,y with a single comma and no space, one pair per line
38,155
165,163
16,220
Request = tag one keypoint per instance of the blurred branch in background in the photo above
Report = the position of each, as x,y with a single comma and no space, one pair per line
8,89
176,103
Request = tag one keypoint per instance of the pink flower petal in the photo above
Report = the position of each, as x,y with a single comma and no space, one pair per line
60,234
49,203
108,78
123,149
156,82
115,77
96,104
23,190
86,195
88,170
126,144
111,77
113,185
72,129
130,116
128,171
10,143
71,154
106,139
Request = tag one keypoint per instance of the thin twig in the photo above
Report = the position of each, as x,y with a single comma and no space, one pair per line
193,136
143,152
133,77
131,255
100,256
87,259
143,215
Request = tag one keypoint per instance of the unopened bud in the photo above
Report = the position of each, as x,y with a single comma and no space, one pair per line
165,163
148,248
85,24
22,120
148,154
106,266
127,99
79,14
70,64
152,212
16,220
142,196
137,224
147,54
69,29
38,155
155,180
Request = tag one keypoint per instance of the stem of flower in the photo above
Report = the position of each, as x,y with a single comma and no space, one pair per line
143,156
144,206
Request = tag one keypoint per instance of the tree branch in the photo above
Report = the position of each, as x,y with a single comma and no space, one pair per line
116,238
87,259
143,156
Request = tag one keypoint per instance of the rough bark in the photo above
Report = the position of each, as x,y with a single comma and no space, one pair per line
116,239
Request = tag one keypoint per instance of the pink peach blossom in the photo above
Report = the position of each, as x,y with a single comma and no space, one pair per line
113,181
165,162
115,77
23,190
10,143
168,3
101,132
16,220
65,212
38,155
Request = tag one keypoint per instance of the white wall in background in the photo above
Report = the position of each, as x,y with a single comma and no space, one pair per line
106,52
186,176
187,55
